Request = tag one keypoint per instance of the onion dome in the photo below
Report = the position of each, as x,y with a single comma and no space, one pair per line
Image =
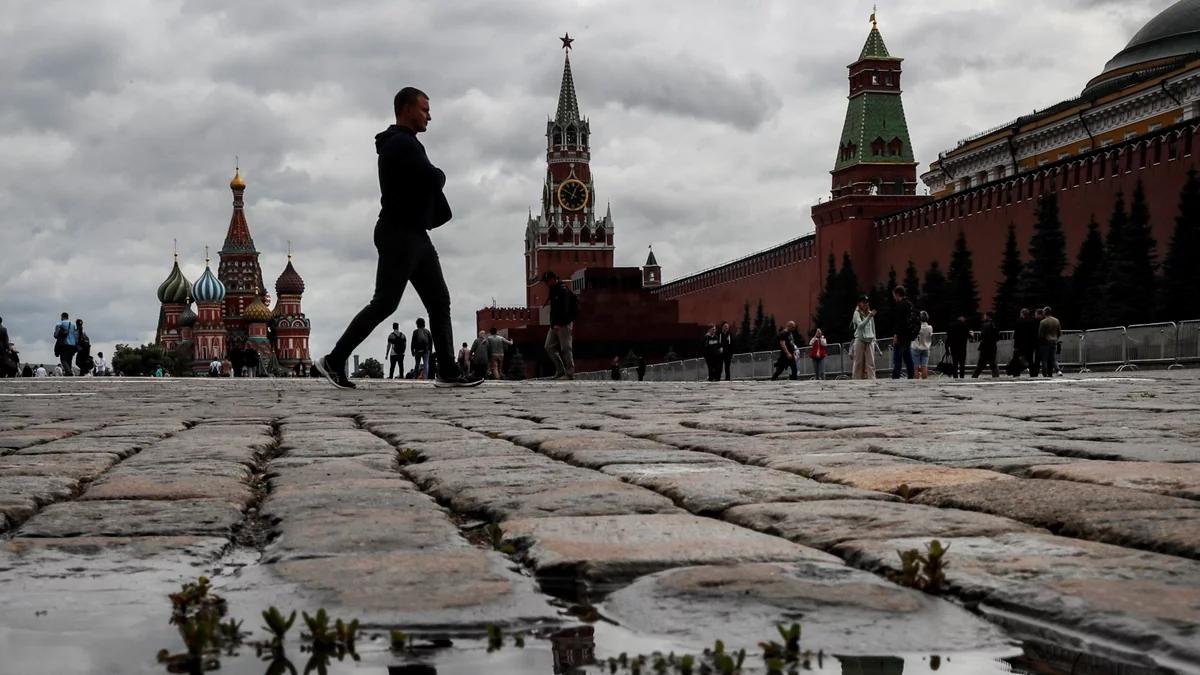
175,289
257,312
289,283
238,183
208,288
187,318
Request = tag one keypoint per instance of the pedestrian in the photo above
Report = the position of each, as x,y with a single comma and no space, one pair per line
496,346
957,336
989,341
397,344
921,345
711,346
726,335
27,371
818,351
564,308
83,353
101,367
906,323
464,359
412,203
65,342
214,367
862,325
614,371
422,344
41,371
1049,334
4,346
1035,366
158,371
479,355
786,341
641,368
1025,343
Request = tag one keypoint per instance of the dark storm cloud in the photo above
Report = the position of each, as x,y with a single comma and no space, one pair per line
714,128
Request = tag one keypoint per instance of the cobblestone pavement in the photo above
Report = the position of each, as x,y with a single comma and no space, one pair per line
693,511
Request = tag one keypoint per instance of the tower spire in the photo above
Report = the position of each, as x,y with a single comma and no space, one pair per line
568,105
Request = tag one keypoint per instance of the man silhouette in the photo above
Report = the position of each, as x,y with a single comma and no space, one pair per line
412,203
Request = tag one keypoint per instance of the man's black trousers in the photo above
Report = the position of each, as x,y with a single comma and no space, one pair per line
405,256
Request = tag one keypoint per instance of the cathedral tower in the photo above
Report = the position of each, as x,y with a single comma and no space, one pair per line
239,270
566,236
291,326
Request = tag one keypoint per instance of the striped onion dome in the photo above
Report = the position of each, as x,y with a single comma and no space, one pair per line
175,289
257,312
187,318
289,283
208,288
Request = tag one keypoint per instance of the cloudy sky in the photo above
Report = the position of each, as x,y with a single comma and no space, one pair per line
714,127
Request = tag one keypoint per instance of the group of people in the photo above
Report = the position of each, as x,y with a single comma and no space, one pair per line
421,350
72,346
485,357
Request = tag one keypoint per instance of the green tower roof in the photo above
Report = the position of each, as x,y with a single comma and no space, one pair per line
874,48
872,117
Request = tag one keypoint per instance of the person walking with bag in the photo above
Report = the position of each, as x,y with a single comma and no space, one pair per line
921,345
726,335
818,350
564,309
66,343
397,344
83,353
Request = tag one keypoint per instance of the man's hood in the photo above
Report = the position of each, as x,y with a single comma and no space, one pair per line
388,134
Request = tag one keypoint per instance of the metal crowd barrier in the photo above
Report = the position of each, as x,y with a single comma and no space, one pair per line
1187,349
1152,343
1071,353
1104,347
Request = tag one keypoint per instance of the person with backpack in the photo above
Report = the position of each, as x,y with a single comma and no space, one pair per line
496,344
479,355
818,351
422,343
989,341
66,341
564,309
907,323
921,345
83,353
396,346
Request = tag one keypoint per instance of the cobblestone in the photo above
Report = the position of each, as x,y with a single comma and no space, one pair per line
1071,507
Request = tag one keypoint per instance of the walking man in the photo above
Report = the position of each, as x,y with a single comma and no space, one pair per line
479,355
1035,366
412,203
989,340
862,324
787,351
907,324
397,344
957,336
496,344
1025,341
66,343
422,342
712,353
1049,333
563,309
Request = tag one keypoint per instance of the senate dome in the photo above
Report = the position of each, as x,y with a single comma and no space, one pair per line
1174,33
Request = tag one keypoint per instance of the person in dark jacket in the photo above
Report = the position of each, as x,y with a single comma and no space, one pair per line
989,340
904,332
956,340
787,351
1025,340
726,335
411,203
712,353
563,310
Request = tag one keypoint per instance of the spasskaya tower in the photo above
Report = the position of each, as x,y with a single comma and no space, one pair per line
566,236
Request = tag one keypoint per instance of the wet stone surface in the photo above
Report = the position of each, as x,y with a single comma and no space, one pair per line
683,513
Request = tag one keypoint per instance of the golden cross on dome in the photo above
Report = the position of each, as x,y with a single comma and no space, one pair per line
289,249
176,245
567,40
874,11
206,258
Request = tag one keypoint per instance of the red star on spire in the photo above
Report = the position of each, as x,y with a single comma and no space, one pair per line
567,40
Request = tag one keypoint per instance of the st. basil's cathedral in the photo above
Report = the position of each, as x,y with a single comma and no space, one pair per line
233,313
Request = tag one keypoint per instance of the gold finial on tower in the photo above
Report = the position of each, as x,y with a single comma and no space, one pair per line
207,260
175,244
289,249
874,11
238,182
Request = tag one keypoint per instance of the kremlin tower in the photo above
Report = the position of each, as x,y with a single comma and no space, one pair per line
233,306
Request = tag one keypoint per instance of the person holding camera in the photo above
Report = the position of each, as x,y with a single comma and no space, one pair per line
862,325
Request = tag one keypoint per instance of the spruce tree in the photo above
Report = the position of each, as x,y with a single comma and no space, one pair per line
962,292
1043,283
1140,261
849,289
1086,306
742,340
912,284
828,302
1181,269
1005,302
935,295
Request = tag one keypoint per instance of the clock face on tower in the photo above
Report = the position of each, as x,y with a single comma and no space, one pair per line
572,195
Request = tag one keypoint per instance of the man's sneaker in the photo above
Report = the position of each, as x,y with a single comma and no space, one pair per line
462,380
336,376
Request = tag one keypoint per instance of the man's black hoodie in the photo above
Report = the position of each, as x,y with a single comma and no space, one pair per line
410,186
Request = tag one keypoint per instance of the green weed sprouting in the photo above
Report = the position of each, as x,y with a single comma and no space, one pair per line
277,626
410,456
923,571
495,537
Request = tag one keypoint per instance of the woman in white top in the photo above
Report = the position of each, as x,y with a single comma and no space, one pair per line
921,346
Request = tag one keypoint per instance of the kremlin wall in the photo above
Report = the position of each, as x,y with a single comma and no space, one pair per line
1137,120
